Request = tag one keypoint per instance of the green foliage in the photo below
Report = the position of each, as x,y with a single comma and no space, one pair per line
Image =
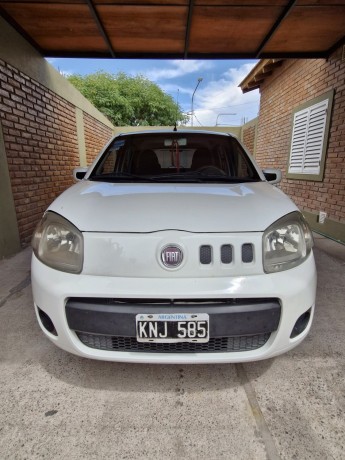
128,101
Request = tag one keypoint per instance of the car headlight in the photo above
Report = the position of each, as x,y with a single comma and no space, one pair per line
58,244
286,243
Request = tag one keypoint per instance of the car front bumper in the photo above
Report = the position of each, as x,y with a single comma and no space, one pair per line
282,297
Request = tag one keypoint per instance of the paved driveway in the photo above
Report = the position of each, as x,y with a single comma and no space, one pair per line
57,406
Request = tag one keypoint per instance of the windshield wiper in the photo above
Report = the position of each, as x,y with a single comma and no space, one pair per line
228,179
176,177
121,177
196,176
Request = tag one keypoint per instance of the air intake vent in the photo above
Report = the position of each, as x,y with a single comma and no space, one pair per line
247,253
226,254
215,344
205,255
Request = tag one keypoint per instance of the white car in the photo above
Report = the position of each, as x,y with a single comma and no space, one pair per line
174,247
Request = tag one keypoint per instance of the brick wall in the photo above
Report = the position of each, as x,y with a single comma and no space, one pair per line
41,144
96,135
294,83
248,137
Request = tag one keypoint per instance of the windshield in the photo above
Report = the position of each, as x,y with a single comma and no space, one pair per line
175,157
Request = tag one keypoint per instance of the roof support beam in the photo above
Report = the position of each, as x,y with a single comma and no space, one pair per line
247,89
161,55
286,11
188,26
337,45
100,27
21,31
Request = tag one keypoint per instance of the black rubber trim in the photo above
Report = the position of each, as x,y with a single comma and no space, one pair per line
96,316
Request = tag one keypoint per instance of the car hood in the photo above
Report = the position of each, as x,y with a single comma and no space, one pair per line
107,207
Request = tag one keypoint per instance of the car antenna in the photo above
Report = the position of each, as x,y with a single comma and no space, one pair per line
178,92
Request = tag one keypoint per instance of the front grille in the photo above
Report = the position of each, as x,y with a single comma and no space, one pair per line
215,345
209,254
172,302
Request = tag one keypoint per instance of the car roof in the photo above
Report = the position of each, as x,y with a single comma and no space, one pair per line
172,131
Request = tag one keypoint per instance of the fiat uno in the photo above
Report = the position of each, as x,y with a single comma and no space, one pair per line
174,247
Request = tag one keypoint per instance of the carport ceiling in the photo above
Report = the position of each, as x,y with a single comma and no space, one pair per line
179,28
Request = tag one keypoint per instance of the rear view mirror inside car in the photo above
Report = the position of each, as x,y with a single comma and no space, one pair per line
182,142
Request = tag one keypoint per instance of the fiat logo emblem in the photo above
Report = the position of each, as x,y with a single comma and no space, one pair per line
172,256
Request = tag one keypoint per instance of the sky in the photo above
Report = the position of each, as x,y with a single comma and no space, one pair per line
218,101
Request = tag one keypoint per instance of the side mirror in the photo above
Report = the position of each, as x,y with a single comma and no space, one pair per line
273,176
79,173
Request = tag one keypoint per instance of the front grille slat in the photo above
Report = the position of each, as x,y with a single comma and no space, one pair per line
226,254
247,253
215,344
205,254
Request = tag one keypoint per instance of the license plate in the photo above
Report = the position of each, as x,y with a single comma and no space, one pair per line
173,327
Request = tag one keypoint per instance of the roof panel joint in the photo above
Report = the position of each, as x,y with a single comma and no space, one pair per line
286,11
100,27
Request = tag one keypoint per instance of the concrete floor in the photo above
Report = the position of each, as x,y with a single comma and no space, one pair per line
57,406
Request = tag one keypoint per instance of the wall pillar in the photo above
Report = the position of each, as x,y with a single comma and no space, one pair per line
79,115
9,235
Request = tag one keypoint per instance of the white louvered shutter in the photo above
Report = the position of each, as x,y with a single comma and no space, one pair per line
307,139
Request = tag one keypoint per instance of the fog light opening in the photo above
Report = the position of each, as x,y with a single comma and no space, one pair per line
301,324
47,322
